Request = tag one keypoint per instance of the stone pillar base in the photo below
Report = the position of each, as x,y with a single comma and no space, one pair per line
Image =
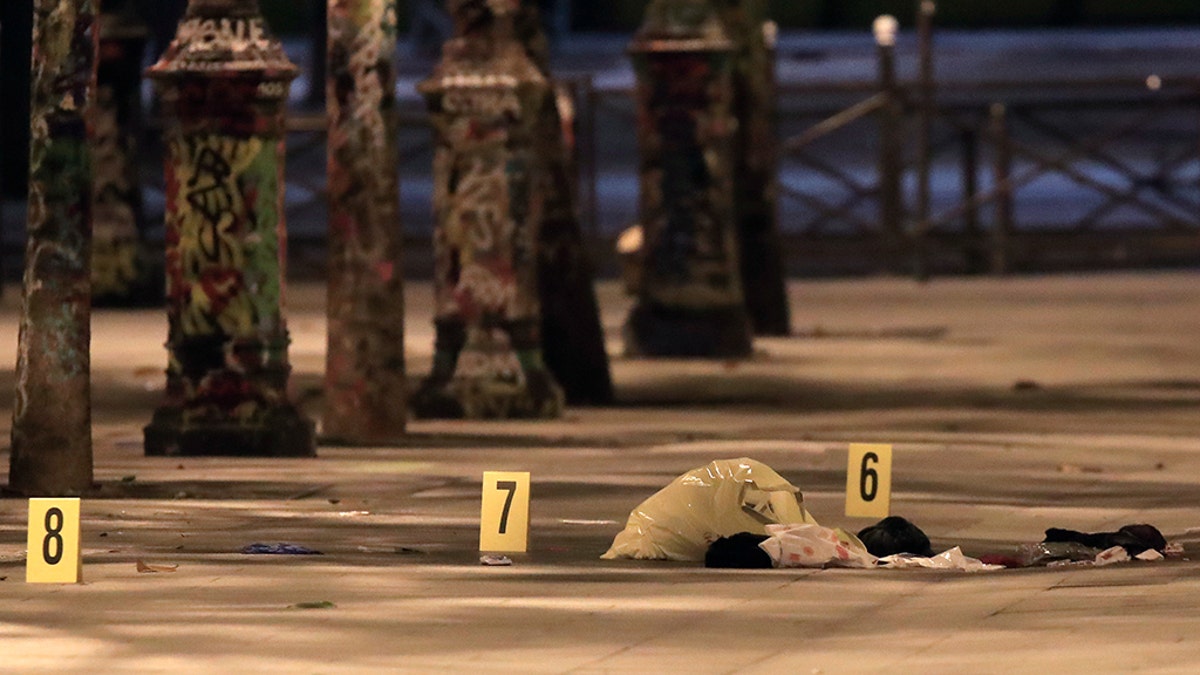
284,433
716,332
539,397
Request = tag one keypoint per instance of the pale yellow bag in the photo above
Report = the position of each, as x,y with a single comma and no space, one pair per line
717,500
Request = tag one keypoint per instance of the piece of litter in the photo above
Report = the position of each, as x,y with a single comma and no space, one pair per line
1112,555
277,549
128,479
319,604
495,560
144,568
352,514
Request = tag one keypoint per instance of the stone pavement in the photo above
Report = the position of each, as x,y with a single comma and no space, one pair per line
1015,405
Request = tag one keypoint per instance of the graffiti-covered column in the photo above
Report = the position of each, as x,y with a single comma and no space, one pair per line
755,165
484,97
365,400
52,413
123,270
690,302
223,83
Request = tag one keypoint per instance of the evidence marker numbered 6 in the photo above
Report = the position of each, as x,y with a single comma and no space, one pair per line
504,516
869,481
53,542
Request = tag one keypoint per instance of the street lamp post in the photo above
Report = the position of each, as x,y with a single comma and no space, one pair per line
223,83
484,98
690,302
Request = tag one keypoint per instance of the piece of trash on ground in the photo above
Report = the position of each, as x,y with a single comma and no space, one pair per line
398,550
319,604
146,568
951,559
720,499
495,560
278,549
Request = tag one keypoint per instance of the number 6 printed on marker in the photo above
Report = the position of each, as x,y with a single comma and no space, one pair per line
869,481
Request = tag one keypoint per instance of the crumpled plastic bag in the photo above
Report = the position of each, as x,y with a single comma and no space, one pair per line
952,559
810,545
719,499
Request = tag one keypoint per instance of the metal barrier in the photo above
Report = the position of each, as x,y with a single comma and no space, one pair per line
1022,175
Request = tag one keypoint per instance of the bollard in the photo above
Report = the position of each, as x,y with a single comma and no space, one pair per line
52,425
484,97
365,395
690,302
123,272
223,83
756,165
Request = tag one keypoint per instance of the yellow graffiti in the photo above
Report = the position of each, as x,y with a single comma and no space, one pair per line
209,212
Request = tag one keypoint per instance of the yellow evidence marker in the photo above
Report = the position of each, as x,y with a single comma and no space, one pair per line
504,516
869,481
53,542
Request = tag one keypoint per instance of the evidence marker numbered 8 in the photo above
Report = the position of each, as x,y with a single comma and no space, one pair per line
53,542
869,481
504,515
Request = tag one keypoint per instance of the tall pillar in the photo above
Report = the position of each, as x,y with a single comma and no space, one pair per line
690,302
484,97
223,84
756,166
365,394
123,269
572,334
52,413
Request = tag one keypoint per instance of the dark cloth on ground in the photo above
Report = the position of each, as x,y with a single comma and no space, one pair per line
894,535
1134,539
738,551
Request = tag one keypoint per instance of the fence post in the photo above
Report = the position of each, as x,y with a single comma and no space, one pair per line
365,393
485,97
1002,177
973,258
891,144
223,83
52,425
925,11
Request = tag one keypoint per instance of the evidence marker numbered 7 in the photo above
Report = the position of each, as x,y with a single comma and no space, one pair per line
504,516
869,481
53,542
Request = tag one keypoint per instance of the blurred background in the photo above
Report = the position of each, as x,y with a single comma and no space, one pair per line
1098,137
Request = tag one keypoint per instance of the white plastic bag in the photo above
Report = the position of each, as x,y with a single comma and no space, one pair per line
717,500
810,545
952,559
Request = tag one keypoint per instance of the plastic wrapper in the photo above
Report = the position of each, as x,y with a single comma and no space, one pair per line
810,545
717,500
1045,553
952,559
1113,555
